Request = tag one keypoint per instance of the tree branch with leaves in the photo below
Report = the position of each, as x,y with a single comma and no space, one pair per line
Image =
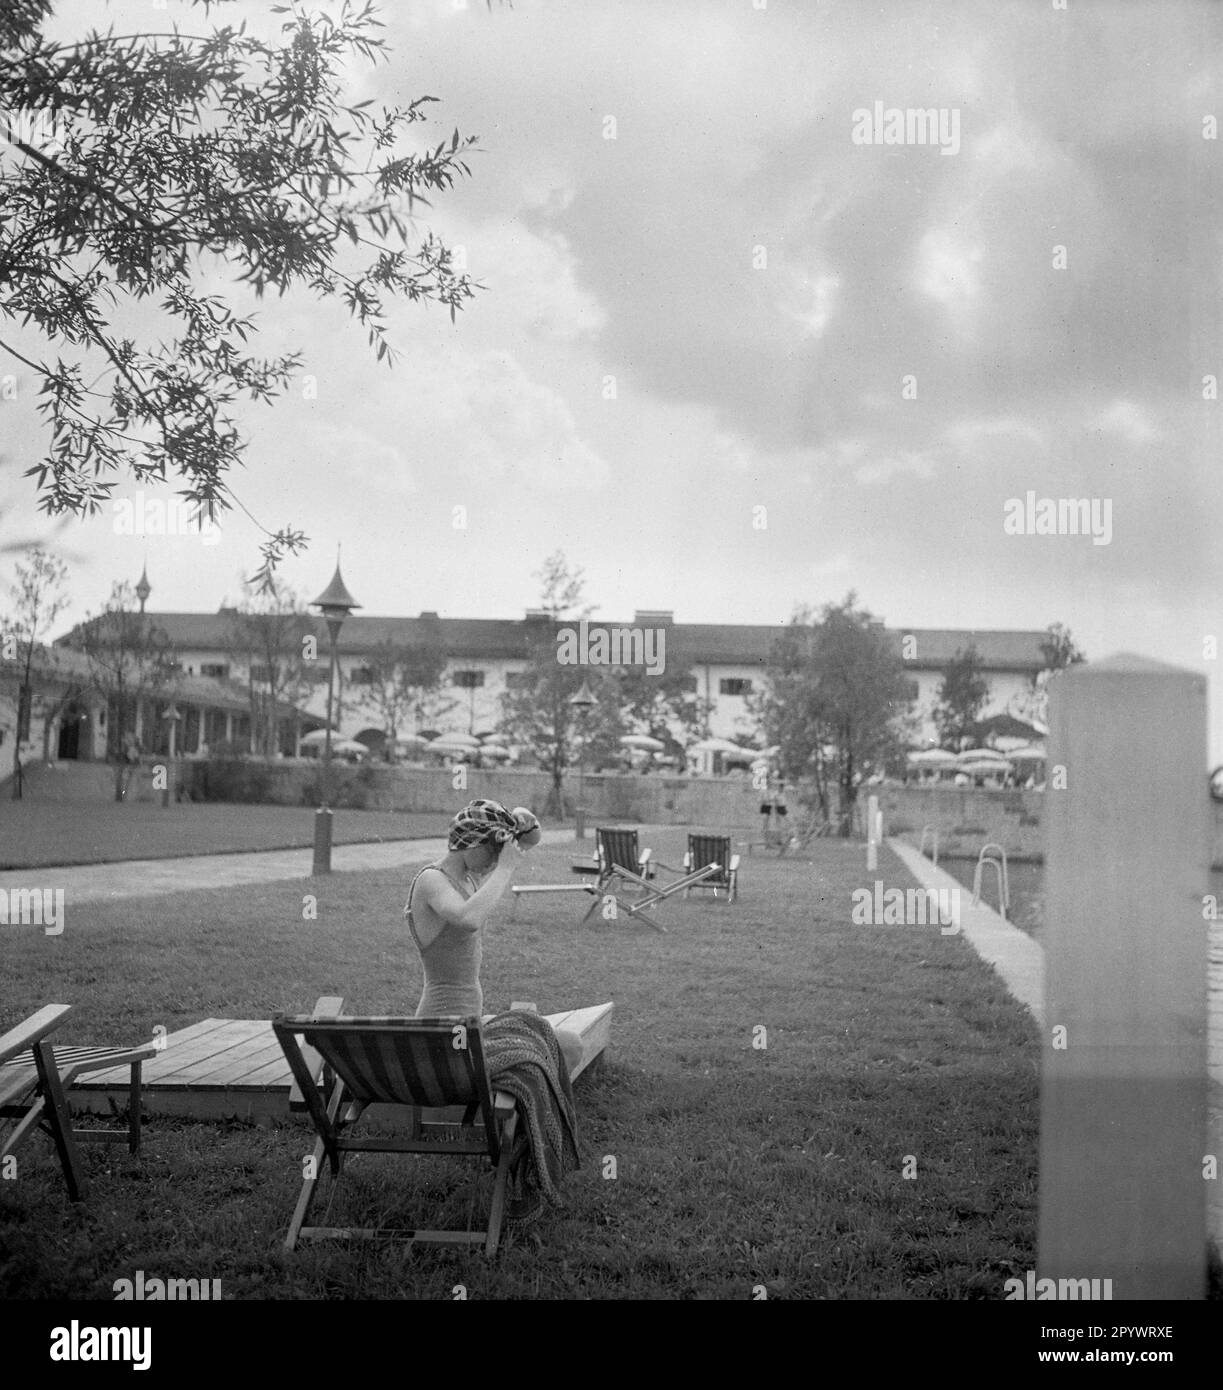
177,156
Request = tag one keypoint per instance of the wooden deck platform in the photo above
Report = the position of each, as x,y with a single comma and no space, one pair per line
224,1068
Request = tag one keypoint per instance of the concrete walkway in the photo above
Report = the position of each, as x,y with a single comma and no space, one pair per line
1016,957
148,878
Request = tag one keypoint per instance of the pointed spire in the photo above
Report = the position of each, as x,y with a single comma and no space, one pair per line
335,600
144,588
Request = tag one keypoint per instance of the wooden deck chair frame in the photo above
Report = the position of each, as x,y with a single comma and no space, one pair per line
618,855
433,1066
35,1078
707,849
650,895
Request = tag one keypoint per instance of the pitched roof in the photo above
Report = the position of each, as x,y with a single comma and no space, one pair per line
718,644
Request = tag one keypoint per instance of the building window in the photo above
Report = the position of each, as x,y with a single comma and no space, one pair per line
734,685
361,675
516,680
468,680
216,670
261,675
913,689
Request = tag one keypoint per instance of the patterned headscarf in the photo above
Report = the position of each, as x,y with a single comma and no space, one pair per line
482,822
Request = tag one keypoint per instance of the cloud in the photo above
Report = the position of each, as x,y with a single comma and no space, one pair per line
1128,421
967,436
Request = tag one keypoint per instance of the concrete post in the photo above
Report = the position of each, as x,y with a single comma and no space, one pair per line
872,832
1124,1082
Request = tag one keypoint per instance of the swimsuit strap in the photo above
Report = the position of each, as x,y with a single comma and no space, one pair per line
407,912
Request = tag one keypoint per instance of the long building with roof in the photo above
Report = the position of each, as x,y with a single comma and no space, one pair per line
485,655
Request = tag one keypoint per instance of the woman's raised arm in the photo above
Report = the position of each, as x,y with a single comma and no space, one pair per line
470,914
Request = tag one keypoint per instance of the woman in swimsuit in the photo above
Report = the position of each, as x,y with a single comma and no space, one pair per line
450,901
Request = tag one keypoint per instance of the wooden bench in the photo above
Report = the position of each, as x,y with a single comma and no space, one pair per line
34,1080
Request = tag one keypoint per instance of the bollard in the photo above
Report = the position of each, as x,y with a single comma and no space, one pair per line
872,832
322,841
1124,1086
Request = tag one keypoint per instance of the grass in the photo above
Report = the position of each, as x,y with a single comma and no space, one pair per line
36,834
734,1165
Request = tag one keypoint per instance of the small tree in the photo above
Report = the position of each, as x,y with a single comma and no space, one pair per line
270,633
835,700
961,697
38,599
1059,651
536,712
402,678
663,704
130,660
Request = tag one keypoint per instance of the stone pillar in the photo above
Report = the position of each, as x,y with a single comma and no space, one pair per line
1124,1082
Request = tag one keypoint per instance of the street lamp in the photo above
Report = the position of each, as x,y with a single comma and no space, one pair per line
171,716
582,702
335,603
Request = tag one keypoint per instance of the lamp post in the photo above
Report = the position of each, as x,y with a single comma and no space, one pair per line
171,716
335,603
582,702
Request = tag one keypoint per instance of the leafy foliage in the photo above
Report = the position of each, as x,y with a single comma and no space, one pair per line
405,680
270,632
130,660
146,165
835,699
38,599
961,697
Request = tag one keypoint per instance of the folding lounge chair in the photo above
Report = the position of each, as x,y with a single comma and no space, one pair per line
621,862
429,1064
713,849
34,1080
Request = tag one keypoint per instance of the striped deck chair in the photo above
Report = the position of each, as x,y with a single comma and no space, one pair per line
713,849
35,1078
621,862
434,1065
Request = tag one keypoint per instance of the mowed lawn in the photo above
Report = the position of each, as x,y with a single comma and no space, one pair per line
36,834
881,1145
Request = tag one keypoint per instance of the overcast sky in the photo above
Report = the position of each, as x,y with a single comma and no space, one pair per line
760,285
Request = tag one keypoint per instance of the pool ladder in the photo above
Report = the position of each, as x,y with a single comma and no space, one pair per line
921,848
998,860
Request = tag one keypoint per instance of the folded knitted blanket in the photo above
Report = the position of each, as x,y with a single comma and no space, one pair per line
524,1059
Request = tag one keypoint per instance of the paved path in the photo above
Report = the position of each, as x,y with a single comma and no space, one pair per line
1016,957
148,878
1020,961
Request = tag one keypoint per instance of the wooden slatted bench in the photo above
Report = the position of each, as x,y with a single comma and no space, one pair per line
21,1075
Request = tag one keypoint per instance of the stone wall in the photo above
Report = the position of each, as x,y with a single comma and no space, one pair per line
967,817
715,802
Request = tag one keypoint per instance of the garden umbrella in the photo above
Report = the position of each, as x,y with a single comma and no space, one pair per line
643,742
1028,755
